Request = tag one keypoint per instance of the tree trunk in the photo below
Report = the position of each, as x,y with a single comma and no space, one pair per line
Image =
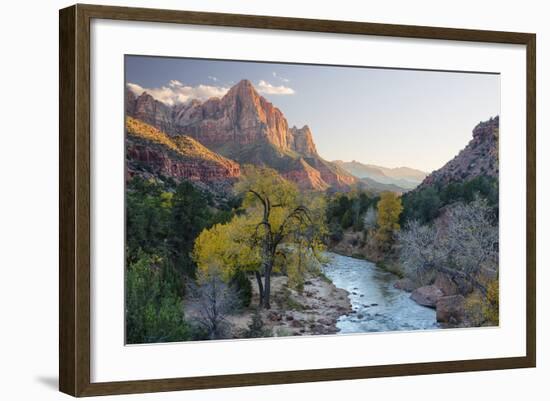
267,288
260,287
267,268
267,265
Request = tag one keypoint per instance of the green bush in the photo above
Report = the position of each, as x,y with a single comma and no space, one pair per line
242,286
346,211
153,313
256,327
424,205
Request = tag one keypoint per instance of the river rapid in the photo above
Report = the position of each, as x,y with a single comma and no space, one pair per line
377,305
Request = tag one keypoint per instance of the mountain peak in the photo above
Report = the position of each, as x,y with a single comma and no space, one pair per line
244,83
246,127
243,87
244,93
302,141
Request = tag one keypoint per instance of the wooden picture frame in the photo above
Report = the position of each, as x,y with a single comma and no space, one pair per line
74,203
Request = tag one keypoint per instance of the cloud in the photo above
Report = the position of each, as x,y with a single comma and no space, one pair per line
213,78
279,77
175,82
267,89
176,92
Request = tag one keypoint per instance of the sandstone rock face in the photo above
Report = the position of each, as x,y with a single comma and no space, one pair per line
301,141
245,127
150,111
241,117
130,103
450,309
331,174
170,164
427,295
479,157
151,152
306,177
187,113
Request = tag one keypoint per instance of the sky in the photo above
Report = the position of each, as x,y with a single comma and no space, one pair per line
388,117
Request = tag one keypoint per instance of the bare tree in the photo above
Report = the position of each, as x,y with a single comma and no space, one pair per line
420,251
213,299
472,238
463,245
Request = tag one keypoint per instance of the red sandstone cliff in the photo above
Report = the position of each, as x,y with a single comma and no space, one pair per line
245,127
150,152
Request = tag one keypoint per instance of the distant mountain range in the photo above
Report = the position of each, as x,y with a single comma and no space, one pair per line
243,127
369,184
399,179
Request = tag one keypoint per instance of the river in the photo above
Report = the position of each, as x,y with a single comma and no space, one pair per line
377,305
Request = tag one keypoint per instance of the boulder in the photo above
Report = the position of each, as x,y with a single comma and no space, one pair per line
464,286
450,309
427,295
445,284
405,284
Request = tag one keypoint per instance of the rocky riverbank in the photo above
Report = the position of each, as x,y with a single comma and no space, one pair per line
443,295
446,297
313,311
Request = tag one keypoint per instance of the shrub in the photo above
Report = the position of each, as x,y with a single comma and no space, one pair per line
347,219
242,286
491,306
154,313
256,327
214,301
483,310
473,310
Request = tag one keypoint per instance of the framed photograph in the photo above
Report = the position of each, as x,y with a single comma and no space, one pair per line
250,200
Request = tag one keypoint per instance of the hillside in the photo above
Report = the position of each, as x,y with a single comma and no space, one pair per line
472,173
478,158
150,152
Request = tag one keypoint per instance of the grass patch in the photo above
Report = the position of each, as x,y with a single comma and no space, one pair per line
289,303
391,267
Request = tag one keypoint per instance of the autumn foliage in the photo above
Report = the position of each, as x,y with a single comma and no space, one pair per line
279,230
389,209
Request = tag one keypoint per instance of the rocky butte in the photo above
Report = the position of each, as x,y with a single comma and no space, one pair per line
245,127
479,157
